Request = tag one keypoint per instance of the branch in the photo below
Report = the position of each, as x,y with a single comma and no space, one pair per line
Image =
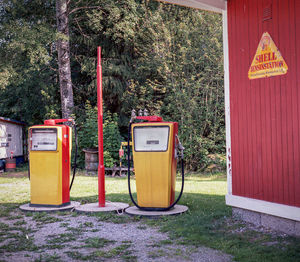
81,29
77,2
84,7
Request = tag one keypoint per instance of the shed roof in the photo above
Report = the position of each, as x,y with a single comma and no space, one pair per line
209,5
16,122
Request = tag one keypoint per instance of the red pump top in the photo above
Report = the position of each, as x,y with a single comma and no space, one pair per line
53,122
150,118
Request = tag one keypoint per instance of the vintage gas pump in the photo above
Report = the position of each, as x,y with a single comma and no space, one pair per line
50,147
155,146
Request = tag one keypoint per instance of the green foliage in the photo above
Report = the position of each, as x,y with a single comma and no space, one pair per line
88,128
88,135
168,59
95,242
28,76
111,135
162,57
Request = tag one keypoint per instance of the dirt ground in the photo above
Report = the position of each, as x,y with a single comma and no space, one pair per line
71,236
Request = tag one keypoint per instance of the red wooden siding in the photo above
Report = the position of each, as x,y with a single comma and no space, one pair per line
265,113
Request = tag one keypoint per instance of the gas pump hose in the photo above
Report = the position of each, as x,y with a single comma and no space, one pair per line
75,155
129,188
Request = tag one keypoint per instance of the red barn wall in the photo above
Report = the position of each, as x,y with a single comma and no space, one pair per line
265,113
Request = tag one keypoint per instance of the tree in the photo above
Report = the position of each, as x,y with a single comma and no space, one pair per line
63,52
28,74
28,67
165,58
162,57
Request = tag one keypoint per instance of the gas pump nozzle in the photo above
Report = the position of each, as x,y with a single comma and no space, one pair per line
179,147
133,115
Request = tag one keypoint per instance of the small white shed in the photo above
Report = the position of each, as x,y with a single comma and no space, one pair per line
11,138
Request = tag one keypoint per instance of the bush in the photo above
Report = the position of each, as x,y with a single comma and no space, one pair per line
88,135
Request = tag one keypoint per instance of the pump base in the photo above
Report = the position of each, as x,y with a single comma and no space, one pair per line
109,207
176,210
51,206
30,208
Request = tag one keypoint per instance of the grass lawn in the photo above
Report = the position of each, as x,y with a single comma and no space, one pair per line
208,221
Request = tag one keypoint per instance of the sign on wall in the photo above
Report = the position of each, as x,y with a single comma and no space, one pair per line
267,61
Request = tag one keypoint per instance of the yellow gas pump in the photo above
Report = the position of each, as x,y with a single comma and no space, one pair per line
50,147
155,145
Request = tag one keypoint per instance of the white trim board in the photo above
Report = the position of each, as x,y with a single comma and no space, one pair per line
227,100
270,208
209,5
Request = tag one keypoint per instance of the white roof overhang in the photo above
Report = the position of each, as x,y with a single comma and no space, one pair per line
209,5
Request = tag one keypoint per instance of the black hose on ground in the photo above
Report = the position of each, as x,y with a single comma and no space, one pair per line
129,188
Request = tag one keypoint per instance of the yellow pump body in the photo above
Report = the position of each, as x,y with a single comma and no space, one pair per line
49,163
154,162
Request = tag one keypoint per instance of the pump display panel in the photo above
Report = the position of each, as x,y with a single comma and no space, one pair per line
43,139
151,138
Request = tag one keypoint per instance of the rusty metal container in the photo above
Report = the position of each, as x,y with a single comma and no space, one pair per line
91,159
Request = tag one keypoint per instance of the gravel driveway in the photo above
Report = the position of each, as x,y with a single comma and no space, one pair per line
81,237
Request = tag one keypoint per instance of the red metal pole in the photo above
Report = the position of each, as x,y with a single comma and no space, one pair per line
101,171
